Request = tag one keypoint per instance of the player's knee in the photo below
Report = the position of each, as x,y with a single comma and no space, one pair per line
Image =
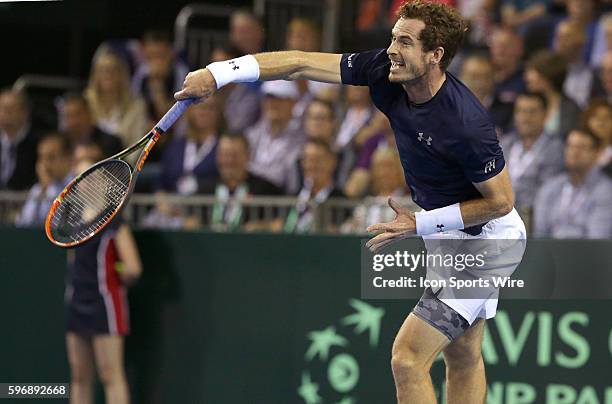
408,367
462,356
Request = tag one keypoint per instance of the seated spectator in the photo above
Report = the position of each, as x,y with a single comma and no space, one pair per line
53,171
276,140
241,101
190,159
570,40
577,203
597,117
234,185
77,122
506,55
304,35
584,13
18,142
387,181
533,156
359,179
246,33
477,74
160,75
320,123
603,83
517,14
602,43
318,163
115,109
545,73
359,112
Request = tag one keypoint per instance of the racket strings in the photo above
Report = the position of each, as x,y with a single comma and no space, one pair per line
91,202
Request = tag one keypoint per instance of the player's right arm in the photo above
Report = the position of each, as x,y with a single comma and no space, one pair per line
288,65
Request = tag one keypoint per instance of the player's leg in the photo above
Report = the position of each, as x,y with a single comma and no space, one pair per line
415,348
108,350
81,361
465,370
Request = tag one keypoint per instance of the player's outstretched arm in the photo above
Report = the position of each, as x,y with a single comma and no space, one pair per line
288,65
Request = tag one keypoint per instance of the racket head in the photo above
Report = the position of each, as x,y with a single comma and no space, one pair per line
89,203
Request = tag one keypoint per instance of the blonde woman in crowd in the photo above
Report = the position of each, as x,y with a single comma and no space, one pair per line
114,107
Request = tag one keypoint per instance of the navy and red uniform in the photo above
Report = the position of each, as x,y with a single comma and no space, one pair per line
96,300
445,144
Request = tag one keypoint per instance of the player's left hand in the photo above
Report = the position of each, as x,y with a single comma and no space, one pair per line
402,226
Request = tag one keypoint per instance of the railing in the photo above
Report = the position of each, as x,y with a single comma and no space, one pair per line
172,211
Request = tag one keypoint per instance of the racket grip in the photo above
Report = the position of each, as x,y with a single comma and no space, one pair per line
174,114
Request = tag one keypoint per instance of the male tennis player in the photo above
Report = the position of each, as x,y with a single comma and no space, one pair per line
452,162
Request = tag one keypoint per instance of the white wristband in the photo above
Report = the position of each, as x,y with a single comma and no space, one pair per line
439,220
244,69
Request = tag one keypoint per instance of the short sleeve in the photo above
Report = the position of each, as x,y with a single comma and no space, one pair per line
357,68
479,153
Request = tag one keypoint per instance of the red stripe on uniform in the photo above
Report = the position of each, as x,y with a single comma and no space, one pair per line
115,288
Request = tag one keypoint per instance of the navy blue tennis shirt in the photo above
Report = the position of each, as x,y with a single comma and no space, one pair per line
445,144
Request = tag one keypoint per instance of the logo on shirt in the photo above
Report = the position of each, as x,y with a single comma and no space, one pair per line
490,166
349,60
421,137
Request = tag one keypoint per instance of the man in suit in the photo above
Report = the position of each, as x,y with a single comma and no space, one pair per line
78,124
533,156
17,142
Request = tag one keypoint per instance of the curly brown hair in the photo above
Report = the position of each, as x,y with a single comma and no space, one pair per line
444,26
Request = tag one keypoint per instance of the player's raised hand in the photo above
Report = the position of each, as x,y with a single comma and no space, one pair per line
402,226
198,84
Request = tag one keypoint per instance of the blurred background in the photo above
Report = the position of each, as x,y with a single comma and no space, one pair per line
248,215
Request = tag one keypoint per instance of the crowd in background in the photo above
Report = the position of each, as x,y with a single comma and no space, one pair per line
542,68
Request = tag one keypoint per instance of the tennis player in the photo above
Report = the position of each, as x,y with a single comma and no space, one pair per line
97,317
452,163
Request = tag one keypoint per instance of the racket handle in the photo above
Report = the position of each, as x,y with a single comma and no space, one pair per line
174,114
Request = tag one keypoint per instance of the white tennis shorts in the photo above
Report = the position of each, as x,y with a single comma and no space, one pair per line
508,237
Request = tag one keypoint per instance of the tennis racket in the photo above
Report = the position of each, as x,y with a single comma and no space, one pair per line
91,200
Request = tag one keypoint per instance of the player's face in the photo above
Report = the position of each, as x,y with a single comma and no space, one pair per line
408,61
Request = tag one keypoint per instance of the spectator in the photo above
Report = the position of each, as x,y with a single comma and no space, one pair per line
545,73
318,164
77,122
17,142
53,170
359,179
603,40
169,215
189,159
276,140
584,13
577,203
533,156
115,109
517,14
304,35
477,74
603,83
160,75
506,53
246,33
359,112
241,101
387,180
234,185
570,39
597,117
320,123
